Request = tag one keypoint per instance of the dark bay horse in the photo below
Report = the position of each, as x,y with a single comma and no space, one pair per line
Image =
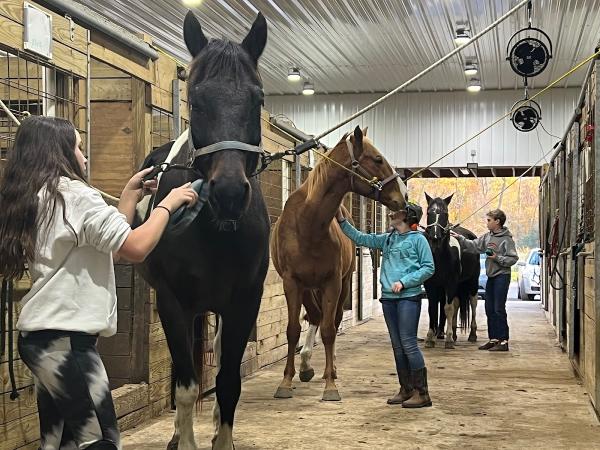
314,257
220,261
456,279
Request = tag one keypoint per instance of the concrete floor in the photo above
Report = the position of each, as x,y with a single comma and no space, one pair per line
525,399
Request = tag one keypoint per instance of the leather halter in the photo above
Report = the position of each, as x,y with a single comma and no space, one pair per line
437,223
194,152
374,182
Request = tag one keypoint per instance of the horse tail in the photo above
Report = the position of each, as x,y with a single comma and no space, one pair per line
464,310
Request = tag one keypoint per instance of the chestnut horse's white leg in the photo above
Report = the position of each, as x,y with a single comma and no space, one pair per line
306,371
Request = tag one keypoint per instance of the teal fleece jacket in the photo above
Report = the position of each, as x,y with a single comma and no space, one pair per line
407,258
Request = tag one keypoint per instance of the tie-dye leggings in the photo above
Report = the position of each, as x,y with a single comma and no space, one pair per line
75,406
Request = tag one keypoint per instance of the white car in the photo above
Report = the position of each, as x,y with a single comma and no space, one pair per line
529,275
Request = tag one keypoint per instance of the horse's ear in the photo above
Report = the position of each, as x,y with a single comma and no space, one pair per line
256,40
448,199
193,34
428,198
357,142
364,131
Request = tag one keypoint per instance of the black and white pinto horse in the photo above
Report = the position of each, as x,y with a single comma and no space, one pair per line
220,261
456,279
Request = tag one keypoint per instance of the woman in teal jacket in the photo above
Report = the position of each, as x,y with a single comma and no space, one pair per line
407,263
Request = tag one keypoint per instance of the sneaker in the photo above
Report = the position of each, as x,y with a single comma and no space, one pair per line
488,345
501,346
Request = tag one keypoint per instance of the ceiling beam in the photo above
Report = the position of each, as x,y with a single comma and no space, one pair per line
454,171
493,172
436,172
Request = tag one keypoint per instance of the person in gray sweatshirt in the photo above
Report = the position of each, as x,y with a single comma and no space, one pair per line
501,253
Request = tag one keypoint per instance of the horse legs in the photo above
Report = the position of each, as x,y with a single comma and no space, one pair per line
432,308
473,334
455,308
306,371
339,314
293,295
449,310
232,335
331,295
442,323
178,330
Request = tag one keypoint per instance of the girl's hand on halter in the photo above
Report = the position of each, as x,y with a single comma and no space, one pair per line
397,287
454,234
138,188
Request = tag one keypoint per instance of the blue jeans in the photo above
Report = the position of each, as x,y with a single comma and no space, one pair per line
496,291
402,319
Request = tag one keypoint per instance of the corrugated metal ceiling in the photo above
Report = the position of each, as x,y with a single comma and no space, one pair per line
346,46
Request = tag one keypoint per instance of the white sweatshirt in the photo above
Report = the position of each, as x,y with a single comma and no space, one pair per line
73,279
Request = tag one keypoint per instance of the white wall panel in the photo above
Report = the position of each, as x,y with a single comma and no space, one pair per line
413,129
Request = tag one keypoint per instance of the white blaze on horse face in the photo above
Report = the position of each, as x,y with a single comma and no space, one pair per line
403,188
307,348
185,397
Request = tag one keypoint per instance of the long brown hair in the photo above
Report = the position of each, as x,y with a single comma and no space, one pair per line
44,150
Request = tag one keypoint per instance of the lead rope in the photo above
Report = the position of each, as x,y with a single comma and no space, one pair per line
7,306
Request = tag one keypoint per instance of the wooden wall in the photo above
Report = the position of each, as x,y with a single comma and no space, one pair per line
131,97
19,426
571,187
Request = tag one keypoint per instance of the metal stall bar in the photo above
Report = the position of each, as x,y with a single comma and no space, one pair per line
575,211
596,159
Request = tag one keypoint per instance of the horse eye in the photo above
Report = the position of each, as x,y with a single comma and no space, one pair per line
379,159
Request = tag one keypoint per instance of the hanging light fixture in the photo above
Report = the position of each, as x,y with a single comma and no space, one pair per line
462,36
471,68
474,85
294,75
191,3
308,89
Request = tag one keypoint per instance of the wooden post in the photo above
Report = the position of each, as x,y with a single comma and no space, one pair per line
594,84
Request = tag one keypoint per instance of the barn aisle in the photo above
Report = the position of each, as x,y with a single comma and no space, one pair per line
527,398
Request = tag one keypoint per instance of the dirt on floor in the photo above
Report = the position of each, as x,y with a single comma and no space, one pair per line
527,398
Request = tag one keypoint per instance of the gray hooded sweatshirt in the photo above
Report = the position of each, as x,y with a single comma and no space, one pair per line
503,245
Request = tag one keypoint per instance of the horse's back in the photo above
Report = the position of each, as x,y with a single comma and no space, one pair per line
469,261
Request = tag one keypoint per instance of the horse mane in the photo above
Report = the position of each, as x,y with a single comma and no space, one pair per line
221,58
319,174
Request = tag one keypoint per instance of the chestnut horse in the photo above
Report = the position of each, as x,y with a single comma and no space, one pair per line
313,256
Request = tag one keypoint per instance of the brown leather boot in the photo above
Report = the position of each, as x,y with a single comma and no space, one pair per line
420,397
406,388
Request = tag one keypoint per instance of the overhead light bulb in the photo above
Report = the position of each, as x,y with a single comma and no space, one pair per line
191,3
474,85
308,89
462,36
294,75
471,69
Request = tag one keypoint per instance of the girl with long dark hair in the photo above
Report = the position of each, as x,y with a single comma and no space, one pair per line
61,230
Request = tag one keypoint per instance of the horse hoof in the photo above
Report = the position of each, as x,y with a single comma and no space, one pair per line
173,444
454,338
449,345
331,395
472,337
429,344
307,375
441,336
284,392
